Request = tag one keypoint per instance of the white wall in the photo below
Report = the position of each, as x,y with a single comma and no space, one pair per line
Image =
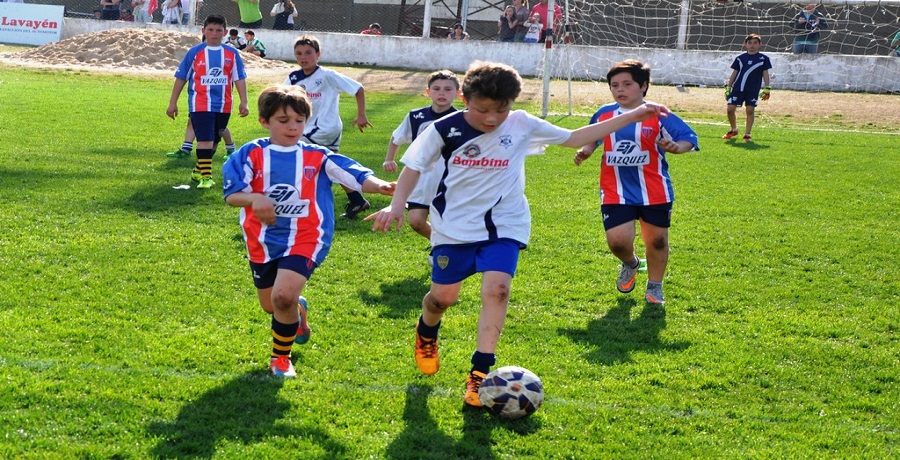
875,74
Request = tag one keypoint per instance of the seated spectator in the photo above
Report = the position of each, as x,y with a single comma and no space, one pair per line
534,29
457,33
235,40
374,29
254,46
126,15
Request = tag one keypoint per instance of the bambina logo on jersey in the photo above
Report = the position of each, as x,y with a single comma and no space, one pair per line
215,77
468,157
287,201
627,153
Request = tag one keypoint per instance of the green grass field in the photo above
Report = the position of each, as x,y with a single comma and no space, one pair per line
130,328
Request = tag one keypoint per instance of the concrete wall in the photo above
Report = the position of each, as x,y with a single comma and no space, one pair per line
873,74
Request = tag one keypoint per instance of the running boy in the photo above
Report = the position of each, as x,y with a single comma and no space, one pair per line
209,70
634,177
324,88
443,87
283,187
750,70
481,218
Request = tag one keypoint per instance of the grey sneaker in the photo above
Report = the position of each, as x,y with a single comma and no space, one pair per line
625,281
655,296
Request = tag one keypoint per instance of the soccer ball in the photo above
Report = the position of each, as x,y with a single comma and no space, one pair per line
511,392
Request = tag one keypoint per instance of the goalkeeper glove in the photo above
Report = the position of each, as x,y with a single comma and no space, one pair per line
727,91
766,92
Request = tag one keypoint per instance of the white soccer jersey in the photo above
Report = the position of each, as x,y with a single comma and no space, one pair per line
324,88
481,193
414,123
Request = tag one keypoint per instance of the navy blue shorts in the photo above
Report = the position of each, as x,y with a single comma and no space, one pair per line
614,215
740,98
456,262
264,274
208,126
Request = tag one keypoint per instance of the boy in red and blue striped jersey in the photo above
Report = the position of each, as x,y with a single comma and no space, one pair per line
283,187
634,177
209,70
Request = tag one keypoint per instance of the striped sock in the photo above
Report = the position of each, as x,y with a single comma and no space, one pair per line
283,337
204,162
187,147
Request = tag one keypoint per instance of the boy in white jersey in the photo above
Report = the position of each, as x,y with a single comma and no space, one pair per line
324,88
480,218
443,87
283,186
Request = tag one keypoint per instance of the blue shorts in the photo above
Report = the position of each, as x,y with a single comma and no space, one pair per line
614,215
740,98
456,262
264,274
208,126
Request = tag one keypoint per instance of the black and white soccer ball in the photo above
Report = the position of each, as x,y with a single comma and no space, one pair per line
511,392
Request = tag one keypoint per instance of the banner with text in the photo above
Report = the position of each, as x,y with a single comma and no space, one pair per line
26,24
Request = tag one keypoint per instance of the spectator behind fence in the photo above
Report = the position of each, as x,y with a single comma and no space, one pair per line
171,12
251,17
374,29
126,15
895,45
187,11
534,26
283,12
808,23
457,33
542,9
110,11
522,15
254,46
143,10
507,25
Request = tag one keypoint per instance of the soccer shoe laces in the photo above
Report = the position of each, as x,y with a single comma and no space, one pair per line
427,347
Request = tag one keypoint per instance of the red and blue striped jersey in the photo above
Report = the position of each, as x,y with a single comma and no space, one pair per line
298,180
634,170
210,71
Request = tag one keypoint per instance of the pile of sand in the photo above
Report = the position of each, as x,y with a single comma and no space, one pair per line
135,50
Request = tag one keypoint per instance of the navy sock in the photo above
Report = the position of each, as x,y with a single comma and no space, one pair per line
482,362
429,332
356,197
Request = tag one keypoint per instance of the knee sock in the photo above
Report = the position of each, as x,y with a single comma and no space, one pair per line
429,332
204,162
187,146
482,362
356,197
283,336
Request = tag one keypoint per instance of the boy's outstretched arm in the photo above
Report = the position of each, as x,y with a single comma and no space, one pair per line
384,218
593,133
390,162
373,184
584,153
361,121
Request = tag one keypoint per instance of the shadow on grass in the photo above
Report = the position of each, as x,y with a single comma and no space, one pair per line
246,410
399,297
423,439
615,336
749,146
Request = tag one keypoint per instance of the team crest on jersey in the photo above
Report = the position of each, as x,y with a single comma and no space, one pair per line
419,116
506,141
453,133
443,261
309,172
647,132
472,151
